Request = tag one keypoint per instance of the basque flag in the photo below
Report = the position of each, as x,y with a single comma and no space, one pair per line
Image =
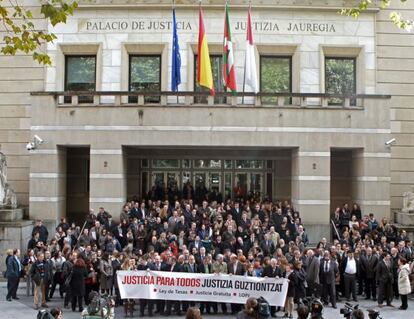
176,58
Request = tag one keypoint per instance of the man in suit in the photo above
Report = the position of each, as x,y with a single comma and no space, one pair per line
369,264
327,273
189,267
143,212
349,269
200,256
385,279
13,272
157,265
394,261
234,267
312,274
272,271
175,266
267,246
236,212
205,267
144,265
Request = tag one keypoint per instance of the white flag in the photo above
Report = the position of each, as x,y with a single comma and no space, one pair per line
250,63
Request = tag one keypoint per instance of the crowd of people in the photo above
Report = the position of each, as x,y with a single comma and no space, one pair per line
367,258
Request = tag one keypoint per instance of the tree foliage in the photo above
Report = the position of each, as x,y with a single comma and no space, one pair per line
21,34
395,17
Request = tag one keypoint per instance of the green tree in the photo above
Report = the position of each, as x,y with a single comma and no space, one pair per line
21,34
395,17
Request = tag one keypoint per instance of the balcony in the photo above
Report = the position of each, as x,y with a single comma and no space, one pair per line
221,99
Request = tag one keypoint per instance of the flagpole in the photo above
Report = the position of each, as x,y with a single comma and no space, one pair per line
173,6
224,67
244,72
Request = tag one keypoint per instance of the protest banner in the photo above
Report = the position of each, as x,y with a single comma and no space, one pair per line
148,284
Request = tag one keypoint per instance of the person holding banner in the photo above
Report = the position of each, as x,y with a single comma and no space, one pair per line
143,265
175,266
272,271
206,268
129,264
189,267
235,267
220,267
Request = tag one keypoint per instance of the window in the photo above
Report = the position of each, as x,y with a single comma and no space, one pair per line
145,76
216,67
340,78
275,77
80,75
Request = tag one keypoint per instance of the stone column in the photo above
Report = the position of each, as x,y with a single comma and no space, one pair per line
371,182
48,185
107,180
311,191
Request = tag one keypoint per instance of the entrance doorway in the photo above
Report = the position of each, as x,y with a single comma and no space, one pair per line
208,173
77,183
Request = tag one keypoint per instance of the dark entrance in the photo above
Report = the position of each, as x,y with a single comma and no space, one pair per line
77,183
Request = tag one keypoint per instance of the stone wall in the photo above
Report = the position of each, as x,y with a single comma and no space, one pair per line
395,76
19,75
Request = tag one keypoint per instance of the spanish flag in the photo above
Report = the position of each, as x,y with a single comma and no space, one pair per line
204,74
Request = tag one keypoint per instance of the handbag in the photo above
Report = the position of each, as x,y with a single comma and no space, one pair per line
68,279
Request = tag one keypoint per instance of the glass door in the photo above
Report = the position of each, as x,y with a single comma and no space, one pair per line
248,184
165,184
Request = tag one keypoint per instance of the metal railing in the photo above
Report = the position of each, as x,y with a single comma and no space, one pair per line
192,98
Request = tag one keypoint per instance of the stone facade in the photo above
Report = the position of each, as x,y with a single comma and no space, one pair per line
306,31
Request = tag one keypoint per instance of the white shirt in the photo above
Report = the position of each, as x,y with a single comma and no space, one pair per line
351,267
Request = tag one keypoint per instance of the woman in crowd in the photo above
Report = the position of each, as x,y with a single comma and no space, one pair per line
290,296
404,285
300,288
28,260
77,283
106,272
58,261
128,264
92,279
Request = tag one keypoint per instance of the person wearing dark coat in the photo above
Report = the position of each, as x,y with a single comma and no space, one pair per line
205,268
77,283
39,272
235,267
189,267
290,296
272,271
385,280
300,289
174,266
369,264
42,230
327,274
13,274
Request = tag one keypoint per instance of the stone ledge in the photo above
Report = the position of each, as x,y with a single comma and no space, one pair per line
11,214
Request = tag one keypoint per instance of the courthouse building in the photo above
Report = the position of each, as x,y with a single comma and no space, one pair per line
293,141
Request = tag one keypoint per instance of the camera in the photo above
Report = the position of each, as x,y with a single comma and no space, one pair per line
348,309
30,146
373,314
315,307
390,142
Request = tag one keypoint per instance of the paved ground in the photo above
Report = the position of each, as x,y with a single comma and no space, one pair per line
22,309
